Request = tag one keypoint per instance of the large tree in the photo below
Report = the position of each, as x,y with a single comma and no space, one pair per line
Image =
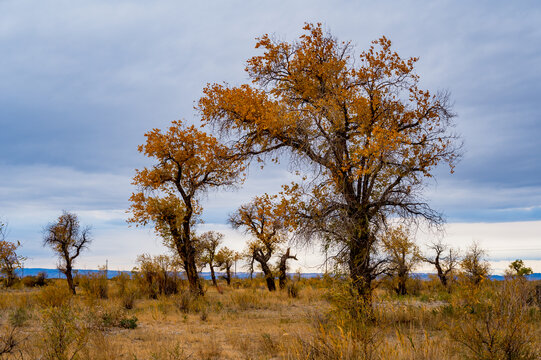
364,126
188,162
67,239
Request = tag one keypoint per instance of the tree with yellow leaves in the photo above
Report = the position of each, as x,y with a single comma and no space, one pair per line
210,241
366,128
9,259
188,163
225,259
265,220
403,255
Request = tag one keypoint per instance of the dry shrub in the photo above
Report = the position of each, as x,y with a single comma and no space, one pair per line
188,302
19,316
63,333
100,347
498,326
108,315
157,275
33,281
126,290
293,290
211,350
95,284
10,341
170,352
245,299
128,300
55,295
335,344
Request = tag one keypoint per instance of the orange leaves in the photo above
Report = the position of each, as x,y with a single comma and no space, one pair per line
265,218
366,127
188,163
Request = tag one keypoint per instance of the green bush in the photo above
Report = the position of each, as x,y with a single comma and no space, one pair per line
128,323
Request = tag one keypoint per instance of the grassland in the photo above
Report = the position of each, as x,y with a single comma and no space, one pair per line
116,319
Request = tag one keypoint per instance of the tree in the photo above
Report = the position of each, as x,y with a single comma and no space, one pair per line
189,162
445,259
67,239
282,268
263,219
9,259
403,256
225,258
518,269
370,134
474,264
210,241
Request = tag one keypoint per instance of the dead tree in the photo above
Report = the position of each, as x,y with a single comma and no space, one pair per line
67,239
445,259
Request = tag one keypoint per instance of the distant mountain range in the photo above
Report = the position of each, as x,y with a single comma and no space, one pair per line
55,273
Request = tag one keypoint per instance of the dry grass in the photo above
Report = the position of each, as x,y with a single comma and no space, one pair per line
245,321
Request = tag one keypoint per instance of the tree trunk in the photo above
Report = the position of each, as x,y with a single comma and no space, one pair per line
69,278
10,275
213,275
361,274
441,275
282,269
269,277
401,286
228,274
193,278
282,279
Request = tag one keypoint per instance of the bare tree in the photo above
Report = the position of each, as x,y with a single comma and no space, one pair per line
282,268
67,239
444,258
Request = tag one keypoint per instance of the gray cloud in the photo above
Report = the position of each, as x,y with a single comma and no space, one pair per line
80,83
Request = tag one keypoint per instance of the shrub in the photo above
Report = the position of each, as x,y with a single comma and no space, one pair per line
19,316
95,284
33,281
128,323
292,290
246,299
498,327
63,334
9,340
128,300
122,282
157,275
187,302
54,295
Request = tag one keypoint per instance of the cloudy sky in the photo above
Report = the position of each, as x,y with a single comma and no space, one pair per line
81,82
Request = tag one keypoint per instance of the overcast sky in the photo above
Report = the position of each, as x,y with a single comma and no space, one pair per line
81,82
